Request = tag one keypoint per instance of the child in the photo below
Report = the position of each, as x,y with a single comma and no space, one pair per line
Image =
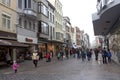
15,66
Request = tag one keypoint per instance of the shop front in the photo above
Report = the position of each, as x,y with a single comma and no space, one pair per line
42,46
10,50
32,42
57,46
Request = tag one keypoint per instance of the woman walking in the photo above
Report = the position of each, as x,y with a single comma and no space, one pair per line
35,58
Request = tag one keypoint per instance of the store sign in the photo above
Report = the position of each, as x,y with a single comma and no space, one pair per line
28,40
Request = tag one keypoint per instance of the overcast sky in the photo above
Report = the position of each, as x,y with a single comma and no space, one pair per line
79,11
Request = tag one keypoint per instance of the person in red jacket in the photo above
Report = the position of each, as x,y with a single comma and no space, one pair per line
48,59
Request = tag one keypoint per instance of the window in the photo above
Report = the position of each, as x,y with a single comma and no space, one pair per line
59,36
53,18
25,24
20,21
44,28
30,25
25,4
39,7
20,4
6,2
29,3
6,21
43,9
33,26
50,17
35,6
53,32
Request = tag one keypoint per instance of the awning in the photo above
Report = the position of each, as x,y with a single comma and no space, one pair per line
11,43
106,21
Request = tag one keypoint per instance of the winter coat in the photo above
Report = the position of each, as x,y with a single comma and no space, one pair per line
109,54
35,56
15,66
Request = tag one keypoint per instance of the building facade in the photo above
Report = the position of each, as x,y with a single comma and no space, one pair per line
72,34
86,41
106,23
43,26
77,34
59,40
9,45
51,13
27,23
67,31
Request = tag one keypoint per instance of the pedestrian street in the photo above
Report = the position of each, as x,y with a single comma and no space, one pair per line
71,69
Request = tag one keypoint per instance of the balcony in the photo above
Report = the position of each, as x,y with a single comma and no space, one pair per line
30,12
27,8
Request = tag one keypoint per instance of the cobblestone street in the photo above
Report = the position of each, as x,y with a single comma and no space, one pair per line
72,69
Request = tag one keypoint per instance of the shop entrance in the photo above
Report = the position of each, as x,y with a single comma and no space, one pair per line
5,55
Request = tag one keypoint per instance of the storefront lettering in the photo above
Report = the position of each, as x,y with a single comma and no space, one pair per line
28,40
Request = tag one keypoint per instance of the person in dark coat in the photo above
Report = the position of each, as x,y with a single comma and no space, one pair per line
109,55
104,56
96,51
89,54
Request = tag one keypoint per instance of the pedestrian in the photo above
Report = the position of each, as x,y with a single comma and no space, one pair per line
8,59
15,66
89,54
96,51
51,54
61,54
58,55
48,57
100,57
40,55
35,58
67,52
83,55
109,55
78,53
104,56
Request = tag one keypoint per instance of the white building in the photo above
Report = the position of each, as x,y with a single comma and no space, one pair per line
27,23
